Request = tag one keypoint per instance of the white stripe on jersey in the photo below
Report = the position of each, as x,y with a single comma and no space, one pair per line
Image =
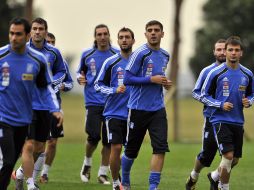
134,56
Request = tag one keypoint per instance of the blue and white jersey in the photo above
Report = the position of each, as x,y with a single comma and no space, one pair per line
67,82
91,63
144,63
58,71
19,74
109,78
196,92
224,84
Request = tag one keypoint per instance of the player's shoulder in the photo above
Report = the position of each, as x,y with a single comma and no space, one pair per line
114,49
53,49
112,59
4,50
165,52
88,51
246,70
36,54
142,50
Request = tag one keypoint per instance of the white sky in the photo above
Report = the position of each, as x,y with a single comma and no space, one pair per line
73,22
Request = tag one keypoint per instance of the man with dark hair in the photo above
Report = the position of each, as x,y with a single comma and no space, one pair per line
145,73
228,89
89,67
42,117
209,146
110,83
21,69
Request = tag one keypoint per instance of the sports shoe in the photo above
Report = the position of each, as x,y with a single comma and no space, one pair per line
118,187
18,182
85,173
213,184
190,184
126,187
36,187
103,179
44,178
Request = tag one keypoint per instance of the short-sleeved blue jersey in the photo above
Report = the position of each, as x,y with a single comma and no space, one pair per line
146,62
224,84
91,63
58,71
109,78
19,74
196,92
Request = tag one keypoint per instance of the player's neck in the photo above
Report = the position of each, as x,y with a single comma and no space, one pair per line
38,45
232,65
103,48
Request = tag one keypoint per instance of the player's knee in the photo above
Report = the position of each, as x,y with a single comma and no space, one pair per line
93,140
226,164
52,144
39,147
28,148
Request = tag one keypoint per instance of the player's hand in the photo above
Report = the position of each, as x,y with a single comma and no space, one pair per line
121,89
62,87
82,78
59,117
246,102
227,106
168,84
159,79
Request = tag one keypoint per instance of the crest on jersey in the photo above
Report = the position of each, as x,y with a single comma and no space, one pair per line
225,86
29,67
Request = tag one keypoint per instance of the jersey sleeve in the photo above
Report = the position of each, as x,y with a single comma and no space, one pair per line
58,70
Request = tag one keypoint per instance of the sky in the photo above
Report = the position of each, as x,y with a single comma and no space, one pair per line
73,23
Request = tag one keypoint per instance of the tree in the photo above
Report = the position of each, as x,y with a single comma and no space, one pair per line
8,10
224,19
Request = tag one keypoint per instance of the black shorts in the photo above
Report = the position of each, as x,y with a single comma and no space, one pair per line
116,131
95,125
40,126
209,145
55,131
229,138
141,121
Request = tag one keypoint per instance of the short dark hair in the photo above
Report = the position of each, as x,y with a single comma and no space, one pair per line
154,22
220,41
21,21
234,40
96,27
40,21
51,35
124,29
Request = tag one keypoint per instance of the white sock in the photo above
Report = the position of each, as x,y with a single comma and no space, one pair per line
194,175
30,183
103,170
116,182
20,173
45,169
38,165
88,161
215,175
224,186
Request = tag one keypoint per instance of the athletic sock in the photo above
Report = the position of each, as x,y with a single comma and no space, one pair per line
126,168
88,161
20,173
224,186
154,180
194,175
30,183
38,165
45,169
215,175
103,170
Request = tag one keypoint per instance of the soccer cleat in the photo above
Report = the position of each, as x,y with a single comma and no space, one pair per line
126,187
36,187
190,184
18,182
103,179
118,187
44,178
85,173
213,184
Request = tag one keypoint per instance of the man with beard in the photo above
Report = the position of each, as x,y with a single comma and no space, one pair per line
209,146
110,83
145,74
89,67
228,89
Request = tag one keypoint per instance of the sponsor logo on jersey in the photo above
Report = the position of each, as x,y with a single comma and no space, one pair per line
242,88
27,76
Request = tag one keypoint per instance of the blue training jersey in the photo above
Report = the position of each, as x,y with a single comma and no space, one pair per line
196,92
109,78
91,63
224,84
58,71
144,63
19,74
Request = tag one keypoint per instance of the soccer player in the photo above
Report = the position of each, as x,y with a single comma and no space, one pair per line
89,67
228,88
209,146
21,69
110,83
145,73
39,129
46,159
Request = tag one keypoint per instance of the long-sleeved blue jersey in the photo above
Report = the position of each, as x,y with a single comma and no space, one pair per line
19,74
224,84
109,78
196,92
91,63
58,71
144,63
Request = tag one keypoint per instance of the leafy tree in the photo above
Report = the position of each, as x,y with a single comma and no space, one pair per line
8,10
224,19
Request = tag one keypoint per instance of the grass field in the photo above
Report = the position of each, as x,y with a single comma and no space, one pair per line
179,162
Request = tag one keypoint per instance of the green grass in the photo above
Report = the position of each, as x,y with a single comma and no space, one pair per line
64,174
